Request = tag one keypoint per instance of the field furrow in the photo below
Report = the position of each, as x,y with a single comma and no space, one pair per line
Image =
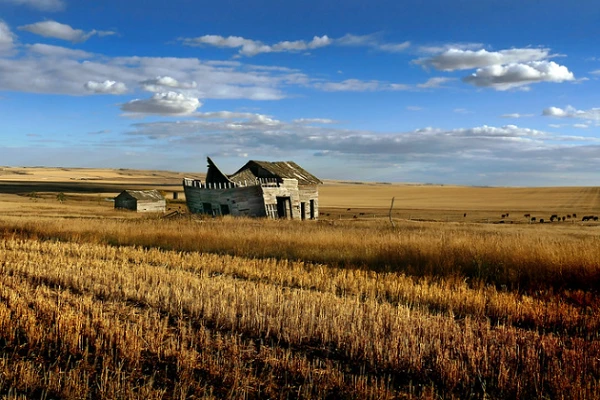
134,305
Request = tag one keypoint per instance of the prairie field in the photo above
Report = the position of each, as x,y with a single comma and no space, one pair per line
451,300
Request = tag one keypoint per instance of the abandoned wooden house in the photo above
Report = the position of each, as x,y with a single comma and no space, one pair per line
280,189
141,201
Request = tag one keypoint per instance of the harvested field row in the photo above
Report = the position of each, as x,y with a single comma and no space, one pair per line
107,313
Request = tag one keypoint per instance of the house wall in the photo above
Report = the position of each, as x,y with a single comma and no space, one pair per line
307,193
125,202
255,201
241,201
151,205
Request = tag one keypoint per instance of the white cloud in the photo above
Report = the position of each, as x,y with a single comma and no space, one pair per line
434,82
581,126
57,30
59,70
43,5
592,114
458,59
168,103
435,49
314,121
106,87
58,51
7,38
356,85
516,115
249,47
160,82
504,77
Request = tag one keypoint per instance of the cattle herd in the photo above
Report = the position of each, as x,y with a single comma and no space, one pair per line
557,218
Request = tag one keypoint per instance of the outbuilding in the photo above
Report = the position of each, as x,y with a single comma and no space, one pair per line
141,201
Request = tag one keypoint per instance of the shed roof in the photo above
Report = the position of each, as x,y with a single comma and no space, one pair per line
150,195
276,169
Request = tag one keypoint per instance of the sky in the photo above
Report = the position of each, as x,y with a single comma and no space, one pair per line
468,92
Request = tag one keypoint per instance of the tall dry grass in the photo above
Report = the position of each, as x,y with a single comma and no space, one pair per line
525,258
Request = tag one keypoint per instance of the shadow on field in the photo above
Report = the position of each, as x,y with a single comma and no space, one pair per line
23,187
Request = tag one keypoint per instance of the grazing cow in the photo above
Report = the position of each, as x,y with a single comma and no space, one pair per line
503,215
527,215
532,219
595,218
541,220
465,215
553,217
569,216
574,215
563,218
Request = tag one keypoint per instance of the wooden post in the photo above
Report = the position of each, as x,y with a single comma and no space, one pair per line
392,206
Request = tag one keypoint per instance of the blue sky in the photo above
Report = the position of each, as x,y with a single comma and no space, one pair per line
496,92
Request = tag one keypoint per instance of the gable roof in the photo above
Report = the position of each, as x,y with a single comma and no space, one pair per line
148,195
214,174
275,169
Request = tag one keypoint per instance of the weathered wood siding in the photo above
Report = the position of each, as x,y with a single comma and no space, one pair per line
151,206
306,194
241,201
125,202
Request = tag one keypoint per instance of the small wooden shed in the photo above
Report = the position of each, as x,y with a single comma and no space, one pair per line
141,201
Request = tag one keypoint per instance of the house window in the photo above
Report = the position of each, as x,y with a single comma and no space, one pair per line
207,208
303,211
271,210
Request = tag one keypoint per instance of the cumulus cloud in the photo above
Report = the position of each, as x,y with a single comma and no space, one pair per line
59,70
249,47
445,153
504,77
160,82
53,29
43,5
106,87
592,114
501,70
7,38
458,59
168,103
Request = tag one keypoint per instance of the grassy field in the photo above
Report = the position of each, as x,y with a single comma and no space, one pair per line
98,303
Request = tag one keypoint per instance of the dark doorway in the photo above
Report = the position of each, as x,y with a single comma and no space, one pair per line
224,209
284,207
207,208
303,210
312,209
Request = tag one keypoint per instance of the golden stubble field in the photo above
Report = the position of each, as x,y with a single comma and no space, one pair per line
98,303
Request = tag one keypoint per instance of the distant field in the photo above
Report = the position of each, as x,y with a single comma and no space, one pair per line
336,200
